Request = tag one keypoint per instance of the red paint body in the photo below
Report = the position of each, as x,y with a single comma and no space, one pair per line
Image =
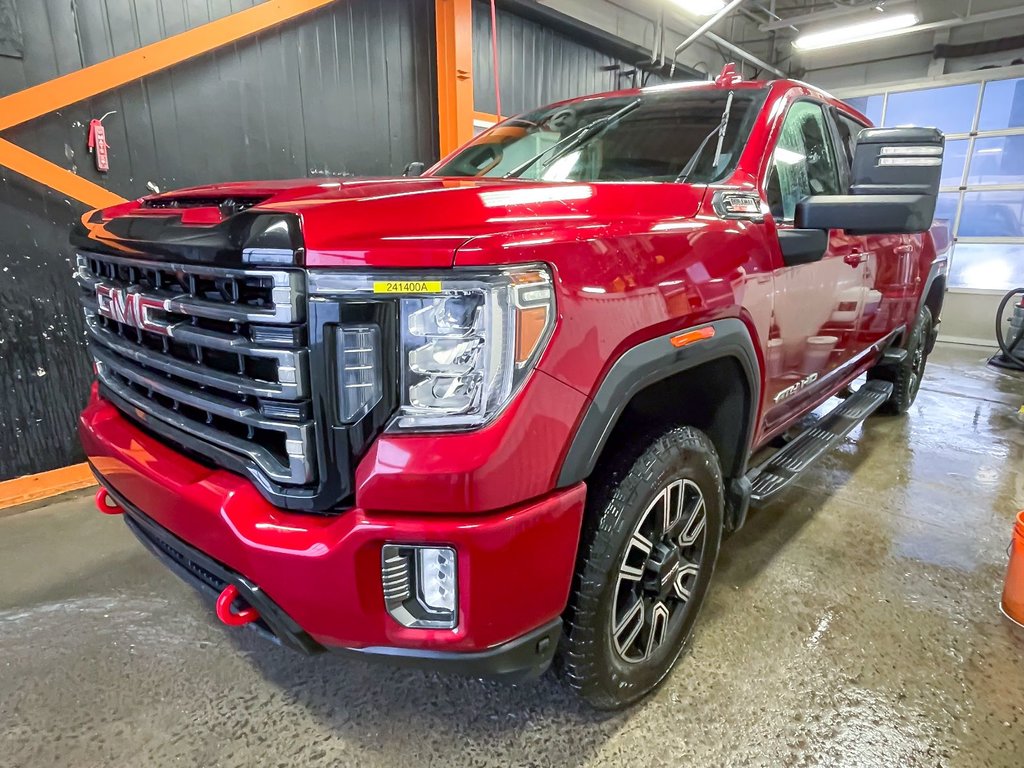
631,262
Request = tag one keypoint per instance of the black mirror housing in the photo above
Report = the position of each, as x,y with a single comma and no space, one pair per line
867,214
894,186
802,246
415,169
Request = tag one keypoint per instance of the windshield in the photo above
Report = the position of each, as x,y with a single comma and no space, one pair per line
674,135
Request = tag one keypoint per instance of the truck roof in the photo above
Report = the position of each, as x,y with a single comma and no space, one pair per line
726,81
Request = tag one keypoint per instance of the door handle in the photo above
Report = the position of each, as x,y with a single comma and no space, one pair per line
855,259
904,250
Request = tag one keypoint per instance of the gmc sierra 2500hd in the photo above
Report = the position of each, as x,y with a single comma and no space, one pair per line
502,413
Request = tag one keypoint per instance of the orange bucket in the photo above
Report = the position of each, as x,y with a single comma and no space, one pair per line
1013,592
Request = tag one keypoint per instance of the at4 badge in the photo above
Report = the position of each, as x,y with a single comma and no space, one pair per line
98,143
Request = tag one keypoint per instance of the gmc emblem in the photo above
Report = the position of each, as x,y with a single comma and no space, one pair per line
130,309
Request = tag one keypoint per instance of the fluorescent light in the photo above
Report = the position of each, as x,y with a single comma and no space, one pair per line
701,7
888,24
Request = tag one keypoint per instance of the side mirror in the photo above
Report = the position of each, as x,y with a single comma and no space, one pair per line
415,169
802,246
894,190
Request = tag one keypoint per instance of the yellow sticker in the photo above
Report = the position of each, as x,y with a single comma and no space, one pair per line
407,286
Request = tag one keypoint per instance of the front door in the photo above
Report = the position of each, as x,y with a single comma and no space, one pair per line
891,263
818,306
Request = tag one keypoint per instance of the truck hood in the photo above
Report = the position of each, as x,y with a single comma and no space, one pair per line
412,222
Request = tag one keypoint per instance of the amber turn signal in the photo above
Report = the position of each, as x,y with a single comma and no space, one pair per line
701,334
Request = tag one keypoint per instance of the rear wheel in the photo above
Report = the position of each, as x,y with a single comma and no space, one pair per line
649,547
906,376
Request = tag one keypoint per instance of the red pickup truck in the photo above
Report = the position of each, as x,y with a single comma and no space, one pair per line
501,414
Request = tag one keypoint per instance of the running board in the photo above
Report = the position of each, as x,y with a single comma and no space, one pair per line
784,466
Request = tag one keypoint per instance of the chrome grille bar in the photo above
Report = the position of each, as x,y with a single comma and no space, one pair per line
298,469
206,377
216,353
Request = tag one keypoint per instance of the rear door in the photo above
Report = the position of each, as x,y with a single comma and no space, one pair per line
818,306
890,261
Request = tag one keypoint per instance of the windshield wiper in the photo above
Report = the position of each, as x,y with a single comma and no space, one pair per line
720,129
574,140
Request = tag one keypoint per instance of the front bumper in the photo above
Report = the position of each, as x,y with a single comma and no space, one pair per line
316,579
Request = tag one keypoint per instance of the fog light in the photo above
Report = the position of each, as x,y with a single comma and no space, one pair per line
420,585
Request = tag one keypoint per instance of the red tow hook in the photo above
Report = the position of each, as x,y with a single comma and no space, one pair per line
105,503
225,614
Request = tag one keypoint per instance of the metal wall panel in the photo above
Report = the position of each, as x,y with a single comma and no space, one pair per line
538,65
350,89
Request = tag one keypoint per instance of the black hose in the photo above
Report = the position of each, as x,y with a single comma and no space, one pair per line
1009,348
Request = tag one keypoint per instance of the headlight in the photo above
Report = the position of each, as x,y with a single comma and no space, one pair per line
466,341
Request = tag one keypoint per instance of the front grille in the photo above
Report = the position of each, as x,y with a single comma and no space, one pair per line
218,354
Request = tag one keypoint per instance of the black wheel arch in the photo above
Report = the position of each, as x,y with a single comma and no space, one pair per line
933,294
645,366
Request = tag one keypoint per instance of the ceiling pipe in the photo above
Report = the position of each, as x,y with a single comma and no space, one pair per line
700,31
830,14
770,10
746,55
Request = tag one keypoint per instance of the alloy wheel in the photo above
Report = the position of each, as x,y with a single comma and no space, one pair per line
658,571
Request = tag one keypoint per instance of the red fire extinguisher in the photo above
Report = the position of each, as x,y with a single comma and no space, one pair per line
98,143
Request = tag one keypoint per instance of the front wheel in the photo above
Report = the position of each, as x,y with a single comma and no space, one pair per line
649,547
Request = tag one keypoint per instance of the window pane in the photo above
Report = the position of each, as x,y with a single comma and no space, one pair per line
950,109
1002,105
998,267
997,161
805,163
869,106
992,214
849,130
945,208
953,161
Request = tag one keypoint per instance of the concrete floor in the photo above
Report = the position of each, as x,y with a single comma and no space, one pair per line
853,622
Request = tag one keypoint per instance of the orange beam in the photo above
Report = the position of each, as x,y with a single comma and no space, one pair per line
22,490
43,171
454,25
52,95
487,117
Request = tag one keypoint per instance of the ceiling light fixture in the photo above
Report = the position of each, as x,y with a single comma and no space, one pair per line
883,26
701,7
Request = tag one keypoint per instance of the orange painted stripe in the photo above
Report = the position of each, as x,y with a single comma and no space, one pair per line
46,97
487,117
22,490
36,168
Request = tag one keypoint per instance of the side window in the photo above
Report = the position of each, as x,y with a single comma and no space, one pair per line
804,161
848,131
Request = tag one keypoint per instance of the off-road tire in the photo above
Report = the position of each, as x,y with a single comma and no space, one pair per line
620,500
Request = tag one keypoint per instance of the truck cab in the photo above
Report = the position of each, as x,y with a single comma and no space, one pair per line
504,411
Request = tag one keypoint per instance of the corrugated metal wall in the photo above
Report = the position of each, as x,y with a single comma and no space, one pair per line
350,89
538,65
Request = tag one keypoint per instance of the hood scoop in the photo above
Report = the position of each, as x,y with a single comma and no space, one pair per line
228,205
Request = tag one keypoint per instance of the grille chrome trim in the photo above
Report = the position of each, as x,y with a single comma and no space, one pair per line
286,291
192,362
298,437
291,365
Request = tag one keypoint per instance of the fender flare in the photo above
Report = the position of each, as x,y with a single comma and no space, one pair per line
939,268
646,364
